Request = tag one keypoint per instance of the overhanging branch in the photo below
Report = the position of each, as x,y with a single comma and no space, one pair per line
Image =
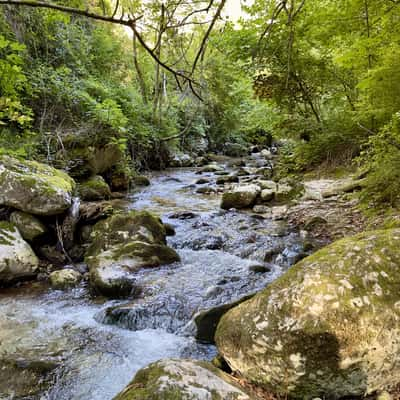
128,22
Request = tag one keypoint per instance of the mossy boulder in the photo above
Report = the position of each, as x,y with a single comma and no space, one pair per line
125,227
65,278
213,167
83,158
141,180
94,188
329,327
227,179
240,197
112,271
28,225
182,380
25,378
17,259
34,187
119,180
121,245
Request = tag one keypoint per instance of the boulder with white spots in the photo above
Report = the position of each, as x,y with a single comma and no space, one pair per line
17,259
182,380
329,327
122,245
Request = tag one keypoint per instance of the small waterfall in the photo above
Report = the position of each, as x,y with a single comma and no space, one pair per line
74,210
69,224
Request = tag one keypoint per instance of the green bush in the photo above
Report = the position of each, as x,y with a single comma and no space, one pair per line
382,160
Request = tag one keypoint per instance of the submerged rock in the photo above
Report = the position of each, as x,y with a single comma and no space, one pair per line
211,168
28,225
94,188
240,197
34,187
227,179
182,380
202,181
329,327
183,215
17,259
65,278
206,190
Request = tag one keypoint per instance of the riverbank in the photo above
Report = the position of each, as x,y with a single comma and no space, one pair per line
58,337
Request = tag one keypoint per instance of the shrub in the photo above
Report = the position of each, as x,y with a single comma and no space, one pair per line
382,159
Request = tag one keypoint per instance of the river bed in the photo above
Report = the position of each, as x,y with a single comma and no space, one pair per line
94,346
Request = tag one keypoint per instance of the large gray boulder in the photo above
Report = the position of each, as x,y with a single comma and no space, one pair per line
182,380
122,245
17,259
242,196
34,187
329,327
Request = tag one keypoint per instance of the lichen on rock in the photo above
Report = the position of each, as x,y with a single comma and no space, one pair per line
34,187
172,379
328,327
94,188
17,259
65,278
123,244
28,225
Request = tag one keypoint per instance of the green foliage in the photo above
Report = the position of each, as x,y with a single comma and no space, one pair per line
324,75
13,83
382,158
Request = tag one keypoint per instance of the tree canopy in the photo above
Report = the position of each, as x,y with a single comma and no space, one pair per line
322,75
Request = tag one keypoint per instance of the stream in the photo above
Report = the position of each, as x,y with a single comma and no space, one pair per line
95,346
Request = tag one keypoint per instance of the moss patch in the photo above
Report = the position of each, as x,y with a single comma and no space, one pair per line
328,327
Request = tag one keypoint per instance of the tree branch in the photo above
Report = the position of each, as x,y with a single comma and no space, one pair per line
205,38
69,10
184,131
130,22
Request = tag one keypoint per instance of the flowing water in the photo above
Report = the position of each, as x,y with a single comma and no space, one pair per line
96,346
